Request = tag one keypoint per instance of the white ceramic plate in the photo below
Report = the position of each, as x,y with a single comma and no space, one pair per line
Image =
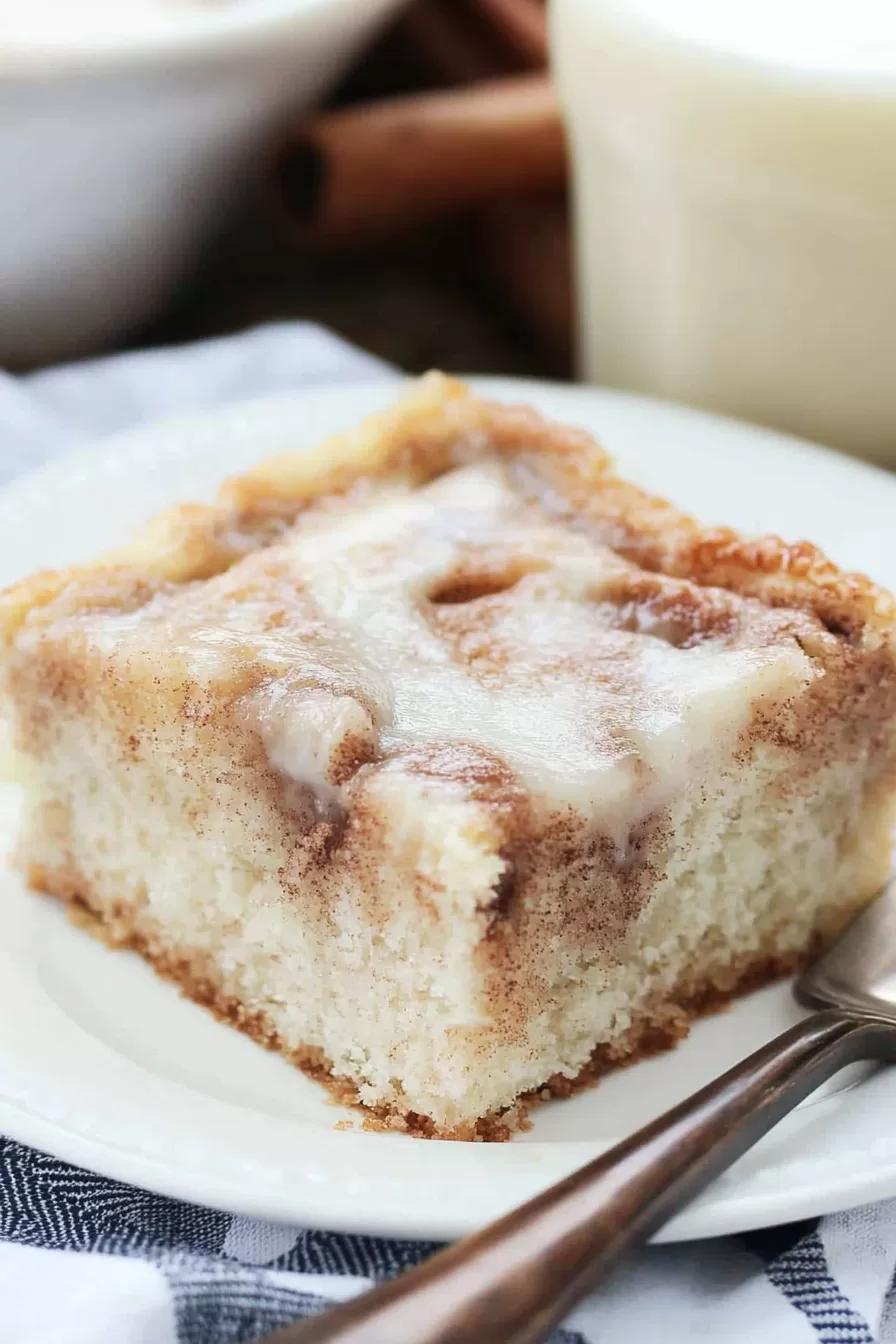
104,1065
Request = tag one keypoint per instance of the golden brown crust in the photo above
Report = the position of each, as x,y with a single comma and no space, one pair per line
436,425
659,1028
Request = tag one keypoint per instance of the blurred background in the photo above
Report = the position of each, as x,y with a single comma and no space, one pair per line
442,292
159,170
685,198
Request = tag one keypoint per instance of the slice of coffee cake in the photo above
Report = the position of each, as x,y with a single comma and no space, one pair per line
450,764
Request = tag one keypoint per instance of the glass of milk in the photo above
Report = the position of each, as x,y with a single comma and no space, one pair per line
735,198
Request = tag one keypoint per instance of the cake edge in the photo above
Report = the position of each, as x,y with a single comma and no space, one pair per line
436,423
656,1031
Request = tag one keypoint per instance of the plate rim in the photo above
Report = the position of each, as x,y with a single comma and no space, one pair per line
707,1218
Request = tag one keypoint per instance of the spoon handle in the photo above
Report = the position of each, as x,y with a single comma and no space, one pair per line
516,1279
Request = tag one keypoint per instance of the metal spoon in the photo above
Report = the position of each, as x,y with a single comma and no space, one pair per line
516,1279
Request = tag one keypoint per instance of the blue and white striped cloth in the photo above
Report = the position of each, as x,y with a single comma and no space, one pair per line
85,1260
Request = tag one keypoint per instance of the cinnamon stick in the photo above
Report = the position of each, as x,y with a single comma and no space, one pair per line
365,172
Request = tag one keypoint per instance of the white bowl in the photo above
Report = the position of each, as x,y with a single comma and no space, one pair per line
118,149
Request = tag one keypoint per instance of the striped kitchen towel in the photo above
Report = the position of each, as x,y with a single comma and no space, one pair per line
86,1260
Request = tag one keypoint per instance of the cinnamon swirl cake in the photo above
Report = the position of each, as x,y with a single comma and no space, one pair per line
450,764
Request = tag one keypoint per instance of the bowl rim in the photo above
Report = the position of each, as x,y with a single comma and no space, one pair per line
194,31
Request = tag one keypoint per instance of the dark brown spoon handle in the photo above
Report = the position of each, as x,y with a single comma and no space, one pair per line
513,1281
